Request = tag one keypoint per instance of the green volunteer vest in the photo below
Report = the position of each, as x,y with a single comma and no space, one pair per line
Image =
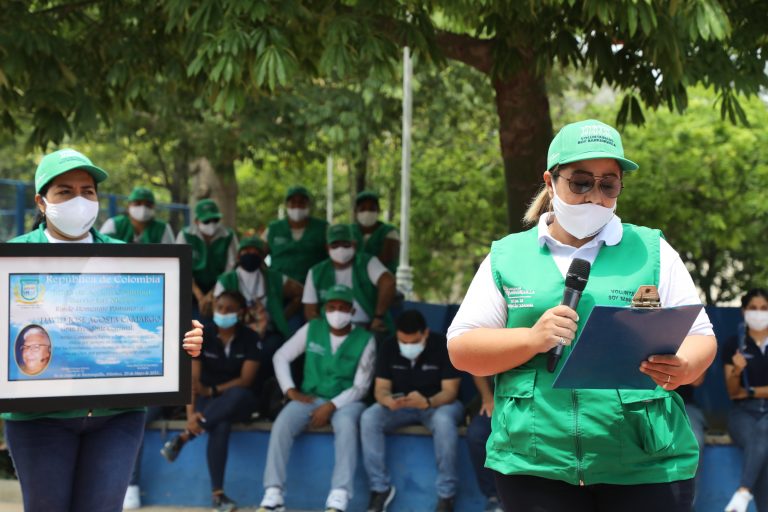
38,237
324,277
375,242
208,261
325,374
274,290
587,436
152,234
292,257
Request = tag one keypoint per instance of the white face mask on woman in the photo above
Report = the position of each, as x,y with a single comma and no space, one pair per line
341,255
141,213
73,217
581,220
367,218
298,214
756,320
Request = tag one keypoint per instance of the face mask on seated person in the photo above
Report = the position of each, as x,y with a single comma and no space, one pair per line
338,319
342,255
225,320
208,229
298,214
756,320
581,220
367,218
250,262
73,217
141,213
411,350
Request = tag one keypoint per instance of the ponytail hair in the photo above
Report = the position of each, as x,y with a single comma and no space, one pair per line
538,206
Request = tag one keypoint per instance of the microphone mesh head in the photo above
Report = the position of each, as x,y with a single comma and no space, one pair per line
578,274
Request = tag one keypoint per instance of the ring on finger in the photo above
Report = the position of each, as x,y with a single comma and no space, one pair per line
561,341
669,378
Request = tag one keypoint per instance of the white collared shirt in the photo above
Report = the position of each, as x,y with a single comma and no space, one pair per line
484,305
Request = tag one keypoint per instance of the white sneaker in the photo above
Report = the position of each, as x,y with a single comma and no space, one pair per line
338,499
132,498
739,502
272,501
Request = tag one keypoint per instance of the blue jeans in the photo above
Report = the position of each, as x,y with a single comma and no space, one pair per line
748,426
698,425
75,464
234,405
442,421
153,413
477,436
292,420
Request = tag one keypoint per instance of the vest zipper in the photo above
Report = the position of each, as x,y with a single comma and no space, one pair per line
577,437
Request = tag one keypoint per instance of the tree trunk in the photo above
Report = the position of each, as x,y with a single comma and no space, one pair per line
361,167
218,184
525,131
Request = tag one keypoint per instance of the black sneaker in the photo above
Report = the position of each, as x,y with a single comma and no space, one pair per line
222,503
172,448
380,500
445,504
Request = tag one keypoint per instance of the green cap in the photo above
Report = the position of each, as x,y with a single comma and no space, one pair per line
366,194
587,140
65,160
340,292
207,209
339,233
253,241
297,190
141,194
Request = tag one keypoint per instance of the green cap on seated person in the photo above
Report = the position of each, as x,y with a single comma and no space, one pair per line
297,190
253,241
340,233
340,292
206,210
65,160
366,194
587,140
141,194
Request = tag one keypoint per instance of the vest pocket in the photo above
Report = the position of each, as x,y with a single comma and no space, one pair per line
514,413
647,426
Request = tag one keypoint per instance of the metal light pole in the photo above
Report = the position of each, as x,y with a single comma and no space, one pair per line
329,189
404,270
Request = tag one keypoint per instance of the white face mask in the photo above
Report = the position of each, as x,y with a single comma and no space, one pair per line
367,219
338,319
208,229
141,213
73,217
581,220
411,350
342,255
298,214
756,320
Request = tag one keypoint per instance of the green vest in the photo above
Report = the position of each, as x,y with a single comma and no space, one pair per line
375,242
208,261
325,374
38,237
292,257
274,291
365,292
582,435
152,234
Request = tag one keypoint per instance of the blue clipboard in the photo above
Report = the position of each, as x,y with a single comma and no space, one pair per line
615,340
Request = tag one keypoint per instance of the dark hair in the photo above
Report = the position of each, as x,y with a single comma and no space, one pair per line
410,321
751,294
235,296
40,217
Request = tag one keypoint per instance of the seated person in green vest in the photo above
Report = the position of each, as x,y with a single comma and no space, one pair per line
297,242
373,236
214,251
338,367
271,297
139,224
372,284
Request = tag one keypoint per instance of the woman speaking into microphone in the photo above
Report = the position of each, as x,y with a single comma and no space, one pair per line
580,450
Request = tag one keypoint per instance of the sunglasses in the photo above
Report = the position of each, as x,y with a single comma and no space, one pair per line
582,182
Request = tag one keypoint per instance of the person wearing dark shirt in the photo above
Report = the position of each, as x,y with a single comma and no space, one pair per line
746,379
221,390
415,384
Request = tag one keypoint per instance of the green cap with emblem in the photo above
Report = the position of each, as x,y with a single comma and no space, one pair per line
587,140
297,190
65,160
141,194
340,292
253,241
366,194
206,210
340,233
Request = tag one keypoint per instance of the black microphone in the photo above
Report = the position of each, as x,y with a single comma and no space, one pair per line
575,282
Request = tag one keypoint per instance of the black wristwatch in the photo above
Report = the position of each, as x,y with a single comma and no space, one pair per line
214,391
750,392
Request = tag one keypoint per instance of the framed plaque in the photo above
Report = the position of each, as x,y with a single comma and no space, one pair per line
93,325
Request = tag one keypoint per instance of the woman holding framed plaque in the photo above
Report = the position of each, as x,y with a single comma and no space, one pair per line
78,459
